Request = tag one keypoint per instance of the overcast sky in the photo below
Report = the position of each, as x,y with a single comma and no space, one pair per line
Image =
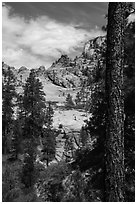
35,34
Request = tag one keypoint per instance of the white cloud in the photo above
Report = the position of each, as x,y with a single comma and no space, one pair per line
39,41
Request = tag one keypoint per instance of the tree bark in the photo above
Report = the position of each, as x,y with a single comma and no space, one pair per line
114,147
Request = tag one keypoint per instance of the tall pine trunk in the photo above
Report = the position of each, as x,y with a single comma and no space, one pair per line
114,179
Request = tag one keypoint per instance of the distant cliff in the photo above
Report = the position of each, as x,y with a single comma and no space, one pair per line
66,72
70,73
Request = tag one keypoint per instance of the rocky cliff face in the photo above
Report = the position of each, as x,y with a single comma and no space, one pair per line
64,72
69,73
63,61
92,56
65,77
93,48
22,70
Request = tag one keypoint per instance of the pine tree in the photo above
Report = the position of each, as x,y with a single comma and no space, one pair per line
8,96
49,116
27,174
16,139
49,142
129,105
34,107
34,120
48,136
97,125
84,138
115,174
69,101
78,98
68,149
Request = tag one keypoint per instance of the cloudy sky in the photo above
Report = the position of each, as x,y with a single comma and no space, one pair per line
35,34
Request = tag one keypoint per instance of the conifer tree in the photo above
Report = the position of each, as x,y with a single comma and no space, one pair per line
95,158
16,139
8,96
83,137
48,136
34,120
34,107
78,99
49,142
69,101
115,174
49,116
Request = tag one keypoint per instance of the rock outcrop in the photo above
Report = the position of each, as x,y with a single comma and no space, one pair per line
22,70
65,73
65,77
63,61
93,48
69,73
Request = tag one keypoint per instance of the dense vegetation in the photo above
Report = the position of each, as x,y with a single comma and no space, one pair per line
29,140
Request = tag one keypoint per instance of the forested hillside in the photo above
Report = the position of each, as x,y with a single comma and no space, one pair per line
55,134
